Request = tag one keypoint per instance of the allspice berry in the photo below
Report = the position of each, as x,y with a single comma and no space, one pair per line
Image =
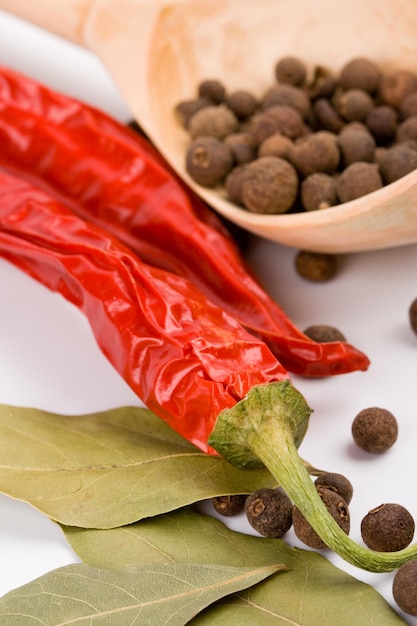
243,103
399,160
354,104
322,84
395,86
323,333
275,145
412,315
233,184
356,144
212,89
338,483
360,73
318,191
290,70
375,430
382,122
288,95
242,146
269,512
187,108
317,152
276,119
337,508
388,528
230,505
214,121
326,116
208,161
316,266
404,587
408,106
407,130
357,180
269,185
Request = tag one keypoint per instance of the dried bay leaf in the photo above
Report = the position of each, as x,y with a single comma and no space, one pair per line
313,592
82,595
110,468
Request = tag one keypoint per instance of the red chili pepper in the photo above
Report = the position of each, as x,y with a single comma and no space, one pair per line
182,355
189,361
112,176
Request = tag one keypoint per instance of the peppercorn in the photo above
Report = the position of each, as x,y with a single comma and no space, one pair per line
375,430
269,512
404,587
212,89
356,144
408,106
318,191
208,161
316,266
360,73
242,146
382,122
229,506
276,119
290,70
338,483
322,333
388,528
214,121
242,103
186,109
322,84
275,145
269,185
287,95
337,508
317,152
357,180
395,86
412,315
399,160
326,116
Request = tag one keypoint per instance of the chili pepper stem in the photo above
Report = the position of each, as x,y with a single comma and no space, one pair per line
267,427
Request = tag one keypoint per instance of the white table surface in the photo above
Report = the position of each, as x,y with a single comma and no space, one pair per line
48,358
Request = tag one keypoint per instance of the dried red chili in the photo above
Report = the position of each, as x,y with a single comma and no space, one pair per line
182,355
110,175
189,361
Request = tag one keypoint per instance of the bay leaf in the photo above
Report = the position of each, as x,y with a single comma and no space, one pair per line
151,594
109,468
313,592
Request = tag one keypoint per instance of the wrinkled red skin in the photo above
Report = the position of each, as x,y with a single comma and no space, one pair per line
183,356
110,175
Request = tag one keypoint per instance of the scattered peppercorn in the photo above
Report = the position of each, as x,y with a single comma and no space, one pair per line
242,103
269,512
338,483
229,506
288,95
388,528
316,266
322,333
269,185
354,104
318,191
412,315
275,145
317,152
404,587
208,161
356,144
375,430
337,508
382,122
290,70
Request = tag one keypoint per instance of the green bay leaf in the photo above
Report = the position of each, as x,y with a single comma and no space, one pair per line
82,595
313,592
110,468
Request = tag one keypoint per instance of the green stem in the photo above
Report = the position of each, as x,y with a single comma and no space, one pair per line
268,426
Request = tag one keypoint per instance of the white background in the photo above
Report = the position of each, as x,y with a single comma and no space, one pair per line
48,358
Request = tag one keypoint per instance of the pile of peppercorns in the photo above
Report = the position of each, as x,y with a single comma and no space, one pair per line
388,527
306,144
